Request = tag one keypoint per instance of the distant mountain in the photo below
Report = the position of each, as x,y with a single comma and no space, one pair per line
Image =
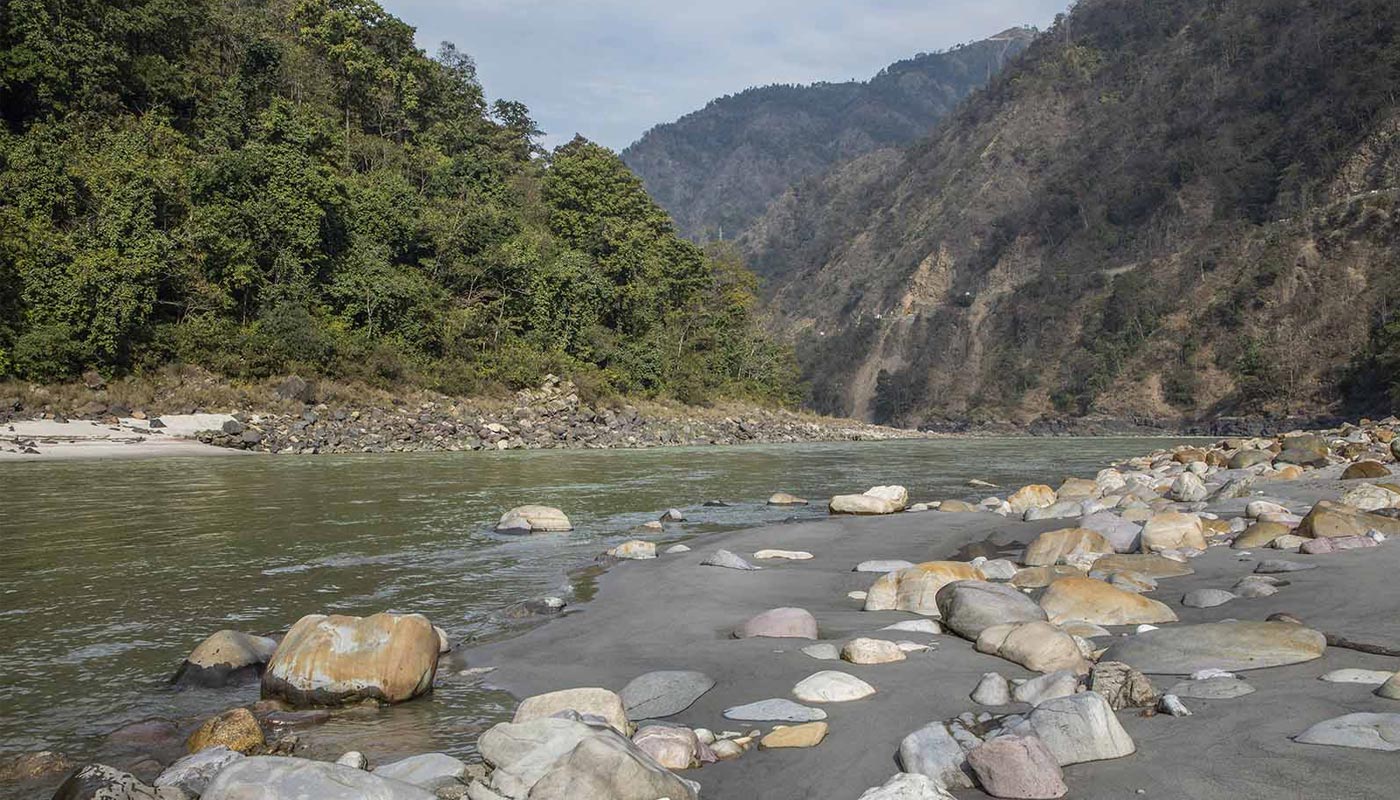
717,169
1163,208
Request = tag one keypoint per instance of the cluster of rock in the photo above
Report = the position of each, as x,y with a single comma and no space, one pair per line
552,416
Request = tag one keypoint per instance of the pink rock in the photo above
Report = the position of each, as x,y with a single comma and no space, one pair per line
1332,545
789,623
1017,767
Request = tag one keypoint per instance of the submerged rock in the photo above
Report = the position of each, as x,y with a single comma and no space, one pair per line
727,560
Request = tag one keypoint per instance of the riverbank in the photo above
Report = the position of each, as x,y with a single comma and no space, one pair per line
296,417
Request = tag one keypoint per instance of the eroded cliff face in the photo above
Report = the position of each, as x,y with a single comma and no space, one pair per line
1169,209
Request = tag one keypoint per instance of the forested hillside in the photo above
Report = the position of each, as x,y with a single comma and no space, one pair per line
1163,208
262,186
717,169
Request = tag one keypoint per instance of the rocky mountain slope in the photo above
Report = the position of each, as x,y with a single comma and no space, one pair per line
717,169
1168,208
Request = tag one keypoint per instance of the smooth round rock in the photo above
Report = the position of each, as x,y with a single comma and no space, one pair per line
780,623
830,686
970,607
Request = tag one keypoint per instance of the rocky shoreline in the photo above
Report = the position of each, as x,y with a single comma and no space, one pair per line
1086,637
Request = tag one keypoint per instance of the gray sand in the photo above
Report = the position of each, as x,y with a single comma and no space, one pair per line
672,613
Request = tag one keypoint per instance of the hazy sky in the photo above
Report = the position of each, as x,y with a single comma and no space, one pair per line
611,69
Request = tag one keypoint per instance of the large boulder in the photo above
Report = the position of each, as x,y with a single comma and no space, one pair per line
1305,451
601,704
1017,767
878,500
225,658
932,751
1052,547
1124,536
1094,601
1364,731
1329,519
1183,649
779,623
1170,530
915,589
534,519
1081,728
664,692
1033,496
607,766
431,771
278,778
970,607
329,660
1365,470
522,753
1037,646
1370,497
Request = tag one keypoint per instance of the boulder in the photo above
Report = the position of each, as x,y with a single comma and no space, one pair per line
278,778
588,702
1052,547
728,560
1017,767
606,766
1183,649
663,693
1329,519
992,690
1077,489
998,569
1365,470
1035,691
877,500
1080,728
1122,535
225,658
1097,602
1317,547
775,710
1260,534
915,626
915,588
970,607
1245,459
1153,566
1170,530
780,623
101,782
328,660
1304,451
1188,488
906,786
431,771
534,519
1364,731
809,734
1121,685
830,686
864,650
933,752
1040,577
235,729
1127,581
785,499
1060,509
1370,497
672,747
1033,496
1037,646
193,773
522,754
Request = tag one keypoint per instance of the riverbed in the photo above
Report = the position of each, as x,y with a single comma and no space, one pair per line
115,570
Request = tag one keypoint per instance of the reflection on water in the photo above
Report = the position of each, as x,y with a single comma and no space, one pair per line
115,570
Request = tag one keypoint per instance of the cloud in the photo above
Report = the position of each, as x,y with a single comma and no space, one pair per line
611,69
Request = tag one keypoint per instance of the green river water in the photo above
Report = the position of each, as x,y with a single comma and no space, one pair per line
114,570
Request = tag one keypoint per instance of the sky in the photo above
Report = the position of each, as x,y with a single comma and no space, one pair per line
611,69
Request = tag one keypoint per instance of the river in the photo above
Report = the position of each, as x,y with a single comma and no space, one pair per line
114,570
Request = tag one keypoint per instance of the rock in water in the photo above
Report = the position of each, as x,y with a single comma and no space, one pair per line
634,550
328,660
830,686
728,560
522,754
101,782
933,752
878,500
431,771
193,773
588,702
787,555
1097,602
825,651
1274,566
1370,677
1017,767
916,588
1153,566
1080,728
1121,685
225,658
775,710
1183,649
1364,731
882,566
663,693
780,623
278,778
235,729
970,607
785,499
534,519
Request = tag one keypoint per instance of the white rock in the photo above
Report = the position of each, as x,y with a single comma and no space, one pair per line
830,686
